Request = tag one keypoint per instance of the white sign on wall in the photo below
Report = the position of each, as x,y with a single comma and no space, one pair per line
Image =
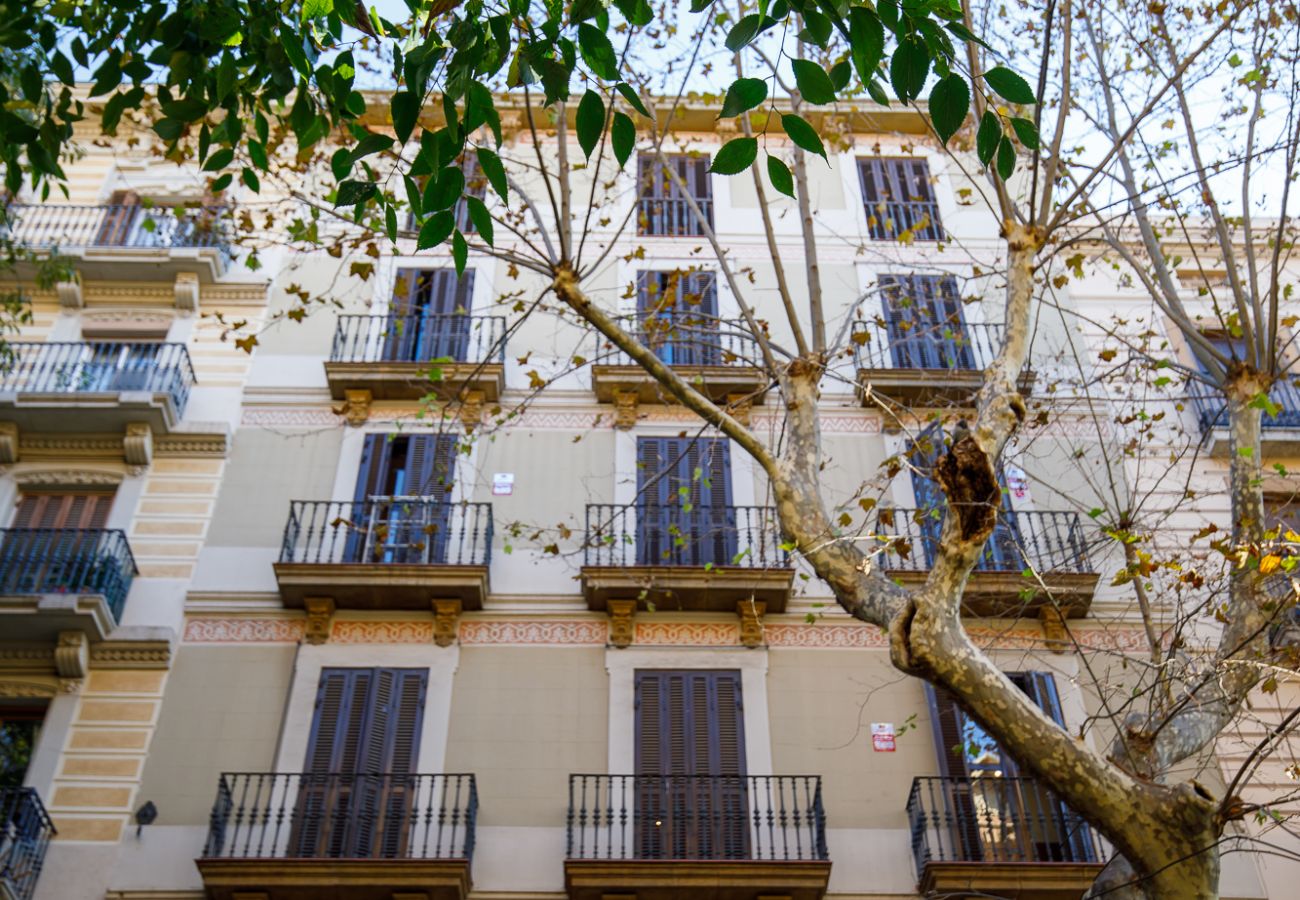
882,737
503,483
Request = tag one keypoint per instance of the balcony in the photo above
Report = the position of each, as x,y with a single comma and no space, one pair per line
1052,544
1002,837
128,241
939,366
54,580
692,837
718,357
386,553
25,835
1280,433
706,559
454,357
345,837
671,216
903,220
95,387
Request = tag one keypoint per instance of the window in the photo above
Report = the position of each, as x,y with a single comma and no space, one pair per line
86,510
924,320
678,317
662,208
355,800
685,515
430,317
19,728
899,199
402,509
690,759
996,814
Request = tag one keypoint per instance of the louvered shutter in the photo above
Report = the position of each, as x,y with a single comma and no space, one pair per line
669,532
430,315
925,322
431,465
48,510
119,219
326,795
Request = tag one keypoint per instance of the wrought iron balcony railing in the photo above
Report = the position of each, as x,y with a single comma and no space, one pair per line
68,226
671,216
685,338
1045,541
388,531
992,819
420,339
67,561
100,366
915,345
696,817
887,219
25,832
262,815
1212,408
650,535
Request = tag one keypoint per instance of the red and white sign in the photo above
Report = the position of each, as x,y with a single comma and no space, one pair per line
882,737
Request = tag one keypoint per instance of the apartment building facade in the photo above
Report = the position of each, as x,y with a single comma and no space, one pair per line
285,626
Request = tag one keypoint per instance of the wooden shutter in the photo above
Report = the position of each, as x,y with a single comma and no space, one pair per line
87,510
119,218
925,322
664,467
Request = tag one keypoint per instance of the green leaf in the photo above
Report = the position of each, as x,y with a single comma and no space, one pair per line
637,12
219,160
817,28
459,252
1009,85
909,67
257,153
622,136
633,99
371,144
223,182
1006,158
390,224
405,108
967,35
743,95
436,230
341,164
888,10
986,139
866,41
802,134
742,33
841,72
877,92
482,219
316,9
736,155
591,121
250,178
1026,131
445,190
168,129
779,174
412,194
813,82
490,164
949,103
352,193
597,51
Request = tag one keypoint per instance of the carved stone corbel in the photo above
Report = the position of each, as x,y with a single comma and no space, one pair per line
187,291
72,654
740,406
622,629
751,621
446,620
70,294
356,406
137,444
320,617
625,407
8,443
1054,633
471,410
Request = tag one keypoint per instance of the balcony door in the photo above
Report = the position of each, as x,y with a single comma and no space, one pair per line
899,199
684,509
357,790
1002,550
54,543
402,501
925,322
690,766
677,314
119,220
663,208
429,319
996,815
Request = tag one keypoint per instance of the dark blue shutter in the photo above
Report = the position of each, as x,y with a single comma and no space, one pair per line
925,322
677,313
429,316
684,520
398,531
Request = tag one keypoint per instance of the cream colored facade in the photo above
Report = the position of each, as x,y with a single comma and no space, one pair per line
208,672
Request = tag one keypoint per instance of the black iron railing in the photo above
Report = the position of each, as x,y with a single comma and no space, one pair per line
708,536
67,561
685,338
261,815
672,216
25,832
1212,409
1045,541
67,226
887,220
99,366
685,817
917,345
993,819
420,338
388,530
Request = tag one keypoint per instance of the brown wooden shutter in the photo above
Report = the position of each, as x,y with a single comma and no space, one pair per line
87,510
119,217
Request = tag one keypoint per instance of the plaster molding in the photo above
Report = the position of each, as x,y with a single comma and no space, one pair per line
131,655
93,446
243,630
72,654
14,688
125,323
215,443
68,478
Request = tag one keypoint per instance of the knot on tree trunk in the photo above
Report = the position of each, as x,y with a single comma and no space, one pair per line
967,476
